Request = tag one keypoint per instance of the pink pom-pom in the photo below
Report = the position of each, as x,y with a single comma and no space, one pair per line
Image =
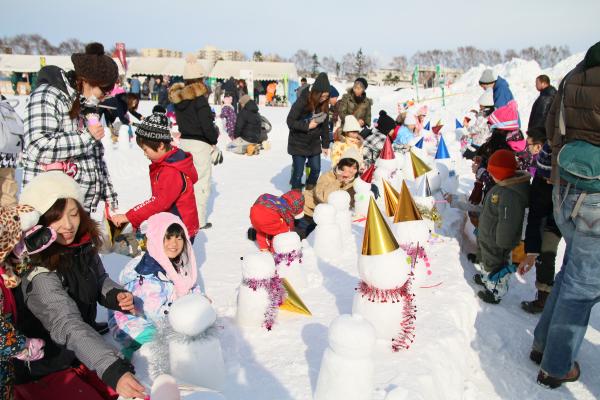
429,272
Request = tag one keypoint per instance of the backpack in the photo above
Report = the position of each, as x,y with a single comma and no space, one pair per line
11,129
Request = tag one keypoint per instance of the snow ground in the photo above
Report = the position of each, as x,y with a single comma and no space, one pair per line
464,349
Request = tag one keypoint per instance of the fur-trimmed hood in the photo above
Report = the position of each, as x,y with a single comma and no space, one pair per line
180,92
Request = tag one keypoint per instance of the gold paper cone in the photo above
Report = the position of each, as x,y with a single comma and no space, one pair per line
390,196
419,166
407,209
292,302
378,238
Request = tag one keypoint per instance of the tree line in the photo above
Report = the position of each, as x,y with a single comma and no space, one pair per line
37,44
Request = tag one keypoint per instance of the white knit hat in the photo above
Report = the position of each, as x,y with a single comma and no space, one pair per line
487,98
43,190
410,119
191,69
351,124
488,76
352,152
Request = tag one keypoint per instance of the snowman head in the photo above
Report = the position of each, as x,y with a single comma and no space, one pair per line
258,265
352,336
390,165
286,242
340,199
191,314
361,186
384,271
324,214
414,232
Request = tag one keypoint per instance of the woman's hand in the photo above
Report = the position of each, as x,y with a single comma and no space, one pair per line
129,387
312,124
119,219
125,300
97,131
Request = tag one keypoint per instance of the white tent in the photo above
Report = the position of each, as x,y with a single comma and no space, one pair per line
160,66
261,71
32,63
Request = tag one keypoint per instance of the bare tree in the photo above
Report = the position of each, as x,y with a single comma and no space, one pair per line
400,63
303,61
329,64
257,56
71,46
314,69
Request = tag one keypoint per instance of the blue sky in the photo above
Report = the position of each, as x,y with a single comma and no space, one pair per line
383,28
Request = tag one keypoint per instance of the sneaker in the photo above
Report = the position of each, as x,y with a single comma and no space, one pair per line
488,296
551,382
252,234
536,356
535,306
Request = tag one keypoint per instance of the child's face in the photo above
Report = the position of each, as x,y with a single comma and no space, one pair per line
154,155
347,174
534,148
352,135
173,246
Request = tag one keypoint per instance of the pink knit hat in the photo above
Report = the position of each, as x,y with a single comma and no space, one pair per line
185,280
505,118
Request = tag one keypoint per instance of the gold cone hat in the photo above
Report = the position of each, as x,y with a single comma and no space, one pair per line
390,196
378,238
419,166
293,302
407,209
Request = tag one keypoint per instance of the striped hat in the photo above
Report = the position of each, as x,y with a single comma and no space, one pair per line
505,118
154,127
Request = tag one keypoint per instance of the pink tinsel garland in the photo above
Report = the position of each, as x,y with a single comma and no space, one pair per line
276,291
403,293
288,258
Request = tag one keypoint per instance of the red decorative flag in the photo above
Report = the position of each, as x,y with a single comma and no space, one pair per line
387,153
436,129
121,54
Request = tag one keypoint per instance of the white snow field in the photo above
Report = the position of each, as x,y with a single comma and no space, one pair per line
464,349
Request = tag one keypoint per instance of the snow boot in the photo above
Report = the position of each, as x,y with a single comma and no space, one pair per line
208,225
536,306
496,284
252,234
536,356
472,257
252,150
551,382
479,279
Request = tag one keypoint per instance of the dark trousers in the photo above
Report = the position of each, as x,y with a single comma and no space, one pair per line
304,226
298,162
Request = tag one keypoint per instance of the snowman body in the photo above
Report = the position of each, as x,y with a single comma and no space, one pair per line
328,243
362,196
289,259
252,304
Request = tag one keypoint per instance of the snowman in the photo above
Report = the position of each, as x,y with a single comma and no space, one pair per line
340,200
186,345
362,192
387,164
165,387
347,369
289,258
261,292
328,244
384,295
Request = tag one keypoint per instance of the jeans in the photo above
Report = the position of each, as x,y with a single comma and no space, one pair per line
298,162
576,290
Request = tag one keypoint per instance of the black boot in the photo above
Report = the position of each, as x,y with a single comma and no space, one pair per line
536,306
536,356
552,382
472,257
252,234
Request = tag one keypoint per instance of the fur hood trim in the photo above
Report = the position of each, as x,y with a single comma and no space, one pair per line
180,92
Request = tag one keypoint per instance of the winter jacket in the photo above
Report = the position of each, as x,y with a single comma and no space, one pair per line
327,183
247,125
502,93
60,307
52,136
194,116
135,86
340,146
271,215
359,107
373,145
582,114
404,136
228,114
119,102
540,216
163,95
172,180
501,220
301,141
540,108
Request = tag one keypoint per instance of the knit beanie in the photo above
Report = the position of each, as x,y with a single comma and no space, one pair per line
154,127
363,82
46,188
191,69
385,123
502,164
487,77
321,84
592,56
95,66
333,92
244,99
351,124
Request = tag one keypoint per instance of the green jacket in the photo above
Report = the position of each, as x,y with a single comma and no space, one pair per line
501,220
361,108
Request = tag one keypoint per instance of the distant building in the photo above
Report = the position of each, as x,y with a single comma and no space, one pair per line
403,79
152,52
213,54
390,77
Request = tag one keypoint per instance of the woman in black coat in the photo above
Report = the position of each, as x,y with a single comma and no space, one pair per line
309,134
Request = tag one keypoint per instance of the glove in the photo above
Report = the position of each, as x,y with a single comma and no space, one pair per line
375,191
476,193
34,350
35,240
216,156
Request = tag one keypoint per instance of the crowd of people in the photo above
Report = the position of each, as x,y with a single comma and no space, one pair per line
54,279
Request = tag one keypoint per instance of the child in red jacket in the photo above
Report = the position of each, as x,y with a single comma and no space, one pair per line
271,215
172,177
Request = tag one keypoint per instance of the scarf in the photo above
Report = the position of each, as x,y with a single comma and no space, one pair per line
288,258
276,291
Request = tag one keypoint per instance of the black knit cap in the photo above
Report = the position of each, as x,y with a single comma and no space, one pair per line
385,123
154,127
363,82
95,66
321,84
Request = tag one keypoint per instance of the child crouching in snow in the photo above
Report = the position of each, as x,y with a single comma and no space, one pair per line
271,215
164,273
501,224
